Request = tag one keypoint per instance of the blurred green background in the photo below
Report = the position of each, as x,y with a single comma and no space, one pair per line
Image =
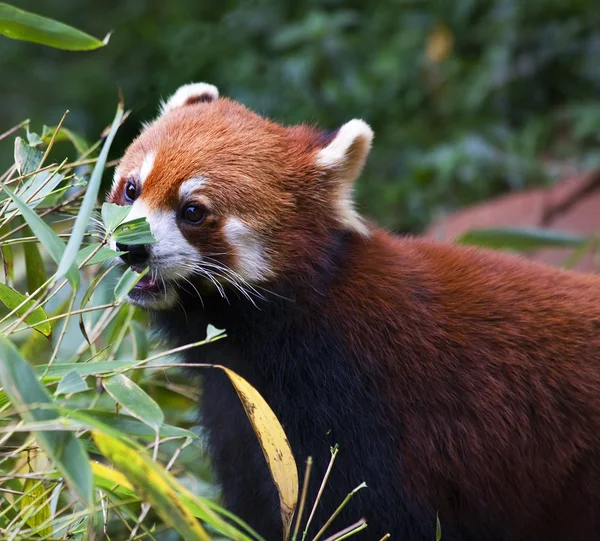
467,98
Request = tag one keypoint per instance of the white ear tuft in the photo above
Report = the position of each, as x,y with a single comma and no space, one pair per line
190,94
344,157
349,148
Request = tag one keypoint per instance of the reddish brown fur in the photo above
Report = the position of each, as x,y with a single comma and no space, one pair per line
512,419
487,366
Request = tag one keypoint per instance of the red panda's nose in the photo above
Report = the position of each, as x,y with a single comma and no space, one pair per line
136,254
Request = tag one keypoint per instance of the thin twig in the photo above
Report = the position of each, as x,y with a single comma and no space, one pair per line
51,143
338,510
13,129
334,452
349,531
302,497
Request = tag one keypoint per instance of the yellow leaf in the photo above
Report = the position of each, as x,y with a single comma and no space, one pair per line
440,43
107,476
275,446
151,483
36,498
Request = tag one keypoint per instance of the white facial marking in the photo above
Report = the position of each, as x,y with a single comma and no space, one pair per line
190,187
172,257
147,165
186,92
116,180
251,261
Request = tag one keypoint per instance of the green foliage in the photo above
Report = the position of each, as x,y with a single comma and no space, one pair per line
18,24
89,389
56,488
522,239
467,99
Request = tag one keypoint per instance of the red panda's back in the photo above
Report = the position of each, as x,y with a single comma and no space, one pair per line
493,371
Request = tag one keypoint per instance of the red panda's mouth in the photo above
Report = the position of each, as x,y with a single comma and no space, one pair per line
147,284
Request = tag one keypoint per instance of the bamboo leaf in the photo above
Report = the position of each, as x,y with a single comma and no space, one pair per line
140,340
34,266
111,479
129,425
113,215
12,299
45,235
134,400
275,446
93,368
89,200
79,142
153,485
35,497
136,231
27,157
102,255
71,383
127,282
26,26
27,394
521,239
8,261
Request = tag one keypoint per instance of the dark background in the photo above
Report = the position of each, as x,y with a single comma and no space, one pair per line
467,98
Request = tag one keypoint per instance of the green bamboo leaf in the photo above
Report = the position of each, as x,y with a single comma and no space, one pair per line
22,25
27,157
89,200
27,394
134,232
71,383
36,498
45,235
11,299
102,255
153,484
33,138
8,260
99,368
140,340
521,239
113,215
34,265
129,425
134,400
127,282
80,143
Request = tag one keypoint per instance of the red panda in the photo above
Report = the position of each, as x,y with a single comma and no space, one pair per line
458,382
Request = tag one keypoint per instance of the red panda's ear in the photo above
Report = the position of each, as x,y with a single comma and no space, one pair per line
344,158
189,95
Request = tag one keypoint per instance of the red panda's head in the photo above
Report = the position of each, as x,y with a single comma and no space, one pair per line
233,198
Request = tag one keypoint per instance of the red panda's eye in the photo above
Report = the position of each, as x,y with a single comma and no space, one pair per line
131,191
194,214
